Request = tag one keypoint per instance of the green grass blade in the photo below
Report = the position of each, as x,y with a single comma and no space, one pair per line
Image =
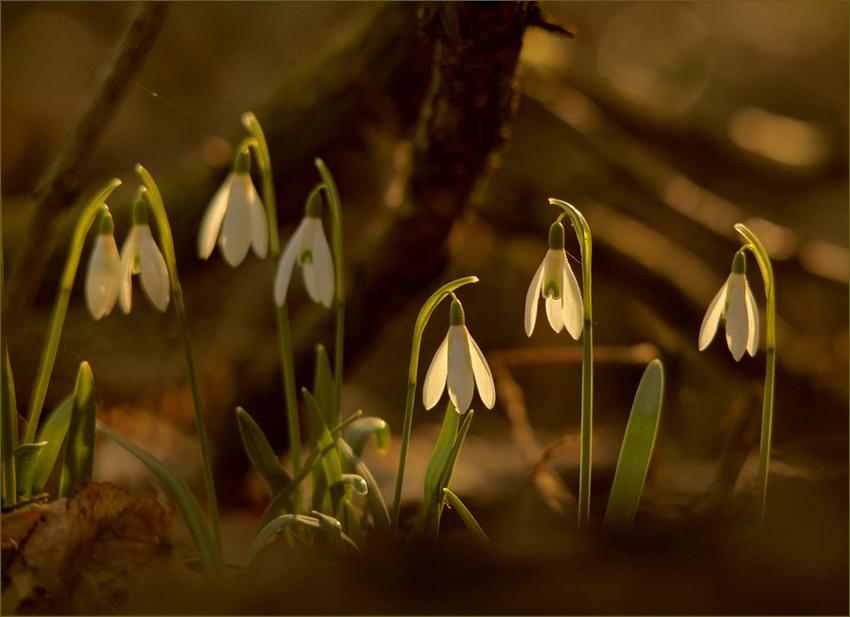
358,434
467,518
78,466
637,448
179,491
324,388
330,460
281,522
26,456
9,430
374,499
427,518
52,432
261,454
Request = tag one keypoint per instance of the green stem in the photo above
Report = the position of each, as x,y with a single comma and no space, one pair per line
766,268
154,200
336,238
418,328
60,308
284,332
586,243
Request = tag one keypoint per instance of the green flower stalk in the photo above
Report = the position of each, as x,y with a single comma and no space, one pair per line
60,307
151,195
585,242
419,327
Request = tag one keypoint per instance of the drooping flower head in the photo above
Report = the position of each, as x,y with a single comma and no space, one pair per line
140,255
308,247
555,281
736,304
103,277
458,366
236,217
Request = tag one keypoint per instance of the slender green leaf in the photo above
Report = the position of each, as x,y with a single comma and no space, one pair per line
261,454
179,491
52,432
439,457
330,460
358,434
333,528
26,456
79,453
281,522
637,448
9,430
324,388
349,520
467,518
374,499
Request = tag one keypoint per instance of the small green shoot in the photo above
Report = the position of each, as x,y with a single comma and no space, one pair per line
79,453
467,518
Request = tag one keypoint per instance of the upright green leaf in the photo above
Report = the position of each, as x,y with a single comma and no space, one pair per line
637,448
52,432
8,429
330,460
374,499
467,518
324,388
261,454
79,453
26,456
436,465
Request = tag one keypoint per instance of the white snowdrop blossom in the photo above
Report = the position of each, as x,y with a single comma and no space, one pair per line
458,366
236,217
736,304
555,281
103,276
140,255
308,247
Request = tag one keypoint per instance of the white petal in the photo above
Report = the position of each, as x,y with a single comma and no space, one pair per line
753,320
736,317
211,223
460,380
555,314
712,317
435,379
259,224
286,263
571,302
235,237
531,299
128,260
154,272
103,276
323,268
483,376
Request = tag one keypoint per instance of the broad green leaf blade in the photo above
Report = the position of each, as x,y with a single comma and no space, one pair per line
374,499
261,454
52,432
281,522
8,430
330,460
446,476
79,453
179,491
637,448
348,517
467,518
333,528
358,434
324,388
439,457
26,456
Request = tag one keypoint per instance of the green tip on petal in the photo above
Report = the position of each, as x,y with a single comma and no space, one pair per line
107,227
556,237
313,209
456,316
140,210
242,164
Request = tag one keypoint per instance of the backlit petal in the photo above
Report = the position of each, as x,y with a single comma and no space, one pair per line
460,380
483,376
103,276
571,301
554,311
154,272
235,237
128,259
259,224
753,320
531,299
435,379
712,317
286,263
736,317
323,268
211,223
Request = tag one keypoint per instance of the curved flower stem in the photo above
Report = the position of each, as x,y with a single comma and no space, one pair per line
283,329
421,321
154,200
586,243
770,369
336,238
60,307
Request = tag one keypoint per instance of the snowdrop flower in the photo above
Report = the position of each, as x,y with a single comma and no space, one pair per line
735,303
140,255
460,365
308,246
237,212
103,277
555,281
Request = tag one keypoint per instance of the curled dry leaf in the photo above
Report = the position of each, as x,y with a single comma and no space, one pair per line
92,554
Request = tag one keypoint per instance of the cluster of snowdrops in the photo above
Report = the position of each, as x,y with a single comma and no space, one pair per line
240,218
